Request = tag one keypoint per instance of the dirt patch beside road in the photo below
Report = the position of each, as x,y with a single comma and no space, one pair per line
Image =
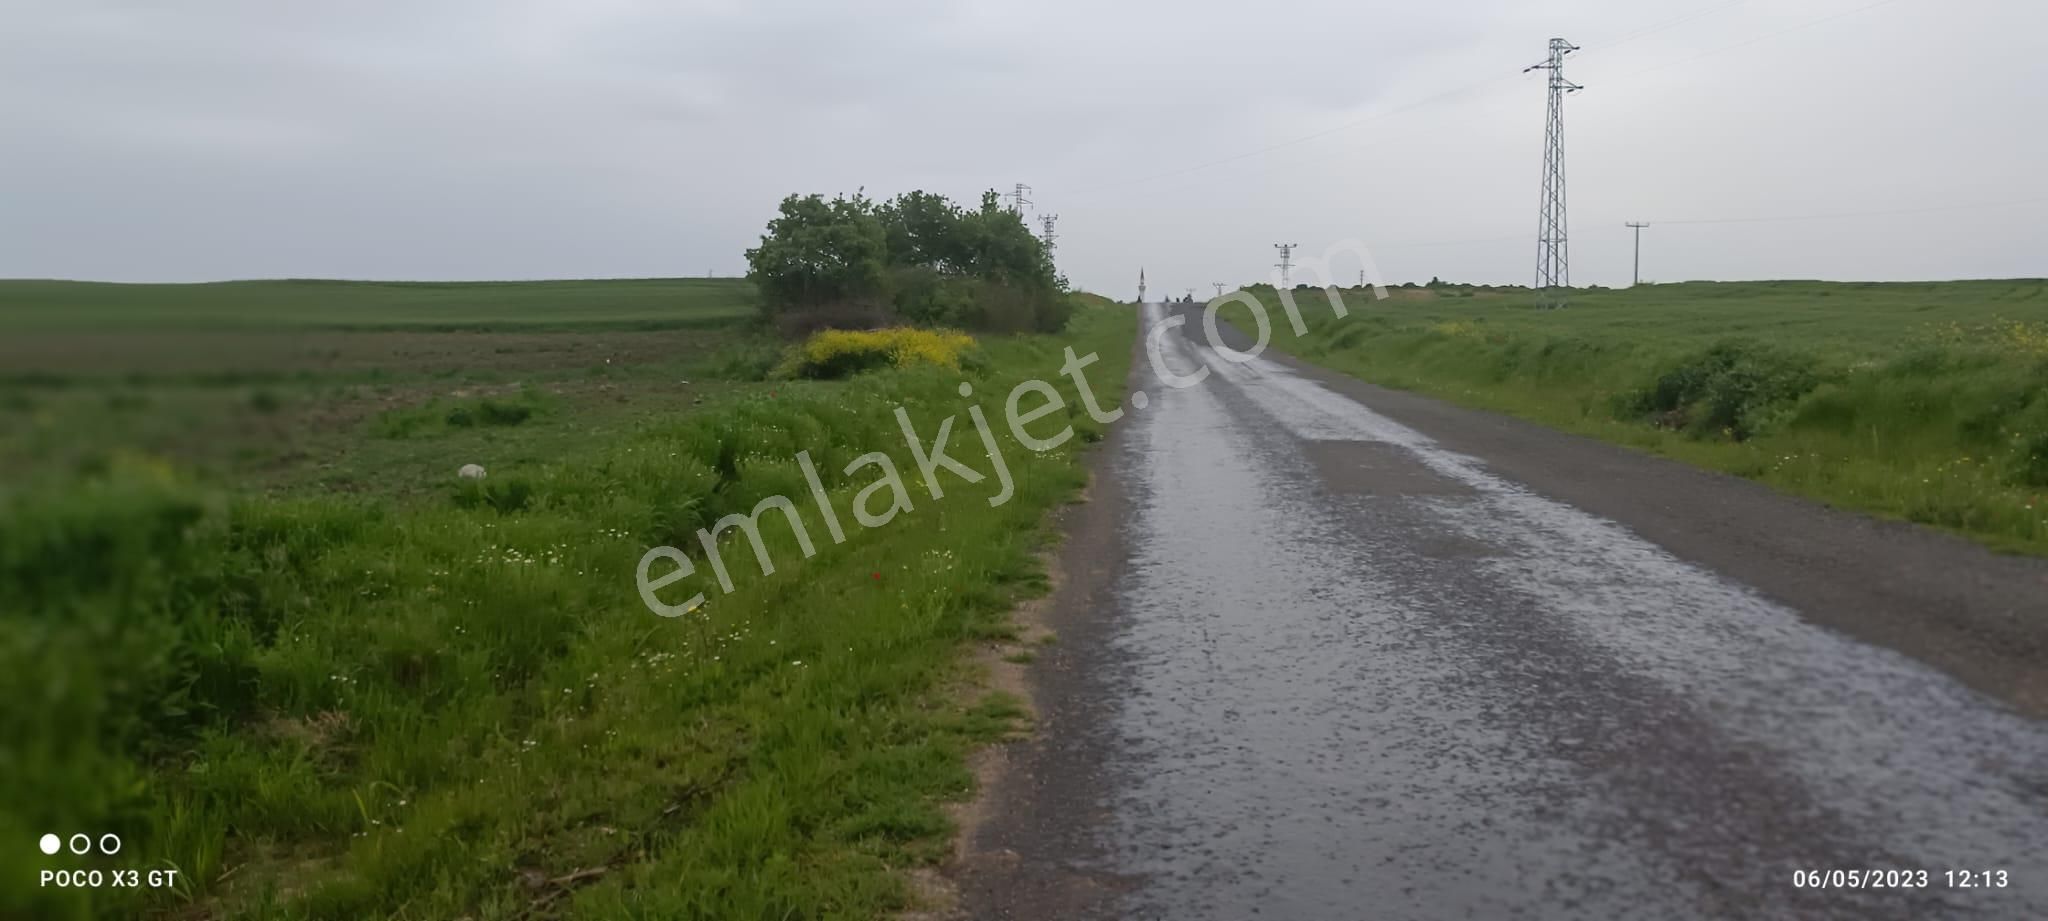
1026,839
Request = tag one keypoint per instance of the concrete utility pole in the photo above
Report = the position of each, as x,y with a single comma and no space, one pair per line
1047,221
1219,287
1017,199
1553,263
1639,253
1286,263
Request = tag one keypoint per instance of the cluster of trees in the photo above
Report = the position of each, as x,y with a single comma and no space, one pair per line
916,258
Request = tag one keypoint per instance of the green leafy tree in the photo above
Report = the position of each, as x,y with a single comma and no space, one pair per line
819,252
916,257
923,230
1002,250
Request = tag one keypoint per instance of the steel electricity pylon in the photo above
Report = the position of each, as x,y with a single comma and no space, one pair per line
1286,263
1219,287
1553,259
1017,199
1047,221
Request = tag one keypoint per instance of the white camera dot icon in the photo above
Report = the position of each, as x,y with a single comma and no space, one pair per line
80,844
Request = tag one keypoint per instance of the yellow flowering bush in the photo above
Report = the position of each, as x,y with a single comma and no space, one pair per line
835,353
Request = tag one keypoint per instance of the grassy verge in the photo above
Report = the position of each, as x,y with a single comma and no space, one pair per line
453,702
1091,301
1925,402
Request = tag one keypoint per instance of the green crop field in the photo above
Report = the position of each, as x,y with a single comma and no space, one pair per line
1921,401
271,383
651,303
257,626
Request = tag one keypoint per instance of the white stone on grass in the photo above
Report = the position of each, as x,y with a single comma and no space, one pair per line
470,472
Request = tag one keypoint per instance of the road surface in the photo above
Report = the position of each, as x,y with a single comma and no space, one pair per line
1331,651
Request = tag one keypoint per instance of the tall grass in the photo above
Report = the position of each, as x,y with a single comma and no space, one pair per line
338,708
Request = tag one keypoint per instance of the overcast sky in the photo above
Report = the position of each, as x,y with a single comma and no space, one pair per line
447,139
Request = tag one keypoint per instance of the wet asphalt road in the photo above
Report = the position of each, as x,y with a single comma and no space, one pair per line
1316,664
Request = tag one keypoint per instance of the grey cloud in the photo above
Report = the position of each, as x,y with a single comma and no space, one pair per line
462,138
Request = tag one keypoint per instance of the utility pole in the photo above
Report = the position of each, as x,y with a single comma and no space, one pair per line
1017,199
1639,253
1219,287
1286,263
1553,263
1048,220
1191,294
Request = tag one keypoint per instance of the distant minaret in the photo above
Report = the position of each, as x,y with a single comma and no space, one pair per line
1141,284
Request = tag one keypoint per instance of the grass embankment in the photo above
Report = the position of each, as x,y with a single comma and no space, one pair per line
451,701
1090,300
1926,401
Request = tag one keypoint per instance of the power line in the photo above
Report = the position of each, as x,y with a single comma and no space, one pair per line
1972,206
1767,219
1764,37
1468,241
1337,129
1405,107
1129,183
1483,84
1681,20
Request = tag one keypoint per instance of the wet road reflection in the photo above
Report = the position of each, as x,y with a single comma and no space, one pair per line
1361,676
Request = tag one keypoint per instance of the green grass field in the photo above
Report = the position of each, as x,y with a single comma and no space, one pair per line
258,628
651,303
1921,401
